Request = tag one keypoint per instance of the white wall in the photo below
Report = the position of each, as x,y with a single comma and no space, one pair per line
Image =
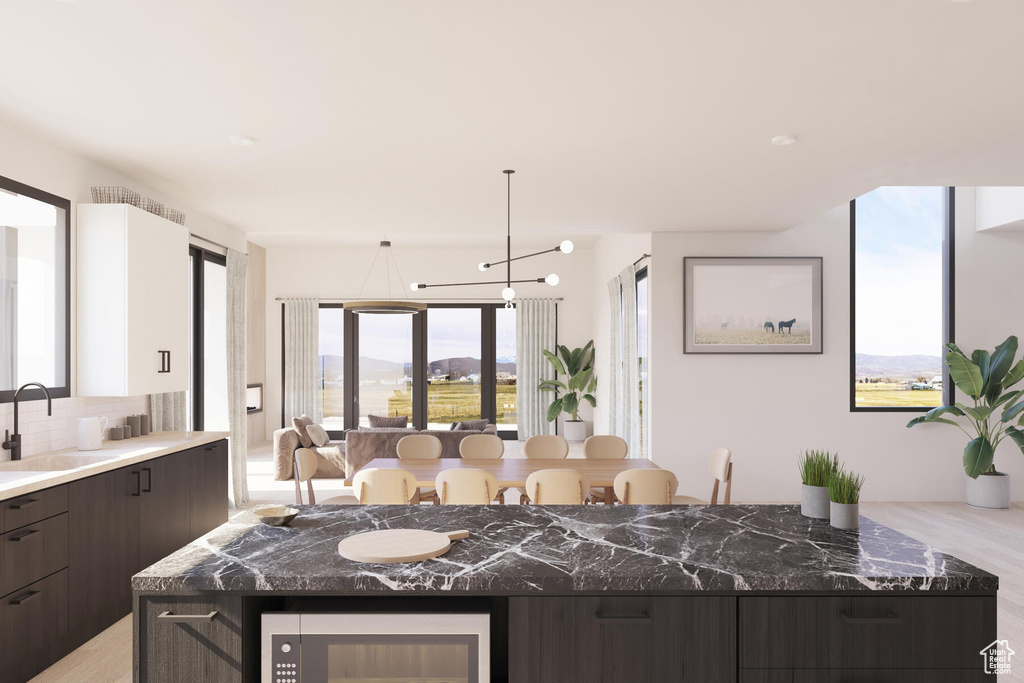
768,408
339,272
1000,208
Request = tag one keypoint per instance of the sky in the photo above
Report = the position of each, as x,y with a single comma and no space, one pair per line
748,295
899,271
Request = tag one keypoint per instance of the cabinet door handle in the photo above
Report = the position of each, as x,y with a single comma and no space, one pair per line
149,480
24,597
30,532
642,618
891,618
165,361
185,618
22,504
138,483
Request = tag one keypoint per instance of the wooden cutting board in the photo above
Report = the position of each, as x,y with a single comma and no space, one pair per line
393,546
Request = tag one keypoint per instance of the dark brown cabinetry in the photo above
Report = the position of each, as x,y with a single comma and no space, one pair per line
164,510
622,639
33,627
208,485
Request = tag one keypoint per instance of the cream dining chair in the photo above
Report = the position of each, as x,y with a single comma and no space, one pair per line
466,487
604,447
720,466
420,447
481,447
557,487
305,467
378,486
546,447
645,487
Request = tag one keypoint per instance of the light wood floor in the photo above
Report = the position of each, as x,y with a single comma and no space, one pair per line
991,540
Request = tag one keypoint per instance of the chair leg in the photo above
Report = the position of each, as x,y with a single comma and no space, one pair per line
298,489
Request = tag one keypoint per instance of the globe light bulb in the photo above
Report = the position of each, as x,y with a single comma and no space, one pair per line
508,294
414,286
566,247
551,279
483,266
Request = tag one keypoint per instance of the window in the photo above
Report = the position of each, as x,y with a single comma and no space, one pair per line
208,357
642,298
332,365
385,366
505,370
901,292
35,320
454,379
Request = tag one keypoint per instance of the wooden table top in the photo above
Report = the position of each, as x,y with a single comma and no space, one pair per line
512,472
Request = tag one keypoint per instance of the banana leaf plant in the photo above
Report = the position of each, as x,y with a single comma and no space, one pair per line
986,378
577,366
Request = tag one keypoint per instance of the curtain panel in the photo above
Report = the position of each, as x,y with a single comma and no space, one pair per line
237,418
169,412
302,360
624,383
536,324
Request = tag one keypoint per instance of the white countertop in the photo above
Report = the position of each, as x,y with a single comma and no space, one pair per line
41,471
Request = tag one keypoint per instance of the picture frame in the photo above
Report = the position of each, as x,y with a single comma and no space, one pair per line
752,305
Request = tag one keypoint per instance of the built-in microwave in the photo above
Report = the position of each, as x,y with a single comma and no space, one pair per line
306,647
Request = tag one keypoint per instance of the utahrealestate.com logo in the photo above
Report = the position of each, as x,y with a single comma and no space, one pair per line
997,657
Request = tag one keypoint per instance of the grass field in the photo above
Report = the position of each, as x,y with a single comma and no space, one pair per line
709,335
446,402
894,395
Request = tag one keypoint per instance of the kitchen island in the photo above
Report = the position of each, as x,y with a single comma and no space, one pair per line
757,594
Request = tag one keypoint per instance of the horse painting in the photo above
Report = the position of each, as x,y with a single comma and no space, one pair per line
769,327
788,324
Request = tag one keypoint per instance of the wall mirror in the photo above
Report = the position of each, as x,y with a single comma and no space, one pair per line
35,267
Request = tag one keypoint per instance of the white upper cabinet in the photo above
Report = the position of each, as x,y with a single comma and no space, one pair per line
133,302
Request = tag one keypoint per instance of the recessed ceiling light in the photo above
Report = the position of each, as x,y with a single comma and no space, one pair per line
783,140
243,140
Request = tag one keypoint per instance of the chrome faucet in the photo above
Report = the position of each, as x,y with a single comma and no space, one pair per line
12,442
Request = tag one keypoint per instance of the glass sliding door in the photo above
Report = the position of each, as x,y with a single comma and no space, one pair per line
385,366
208,357
505,370
453,373
332,366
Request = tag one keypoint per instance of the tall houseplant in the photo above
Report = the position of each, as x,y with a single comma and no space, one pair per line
577,366
998,412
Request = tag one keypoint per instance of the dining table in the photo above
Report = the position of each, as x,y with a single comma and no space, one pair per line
513,472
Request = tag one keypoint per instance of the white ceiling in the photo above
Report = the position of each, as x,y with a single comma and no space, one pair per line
391,116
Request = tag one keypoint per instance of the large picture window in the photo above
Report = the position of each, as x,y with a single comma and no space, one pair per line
901,297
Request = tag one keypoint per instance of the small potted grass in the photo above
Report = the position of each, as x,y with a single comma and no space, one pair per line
816,470
844,493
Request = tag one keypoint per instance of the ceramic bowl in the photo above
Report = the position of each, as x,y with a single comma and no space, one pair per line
276,515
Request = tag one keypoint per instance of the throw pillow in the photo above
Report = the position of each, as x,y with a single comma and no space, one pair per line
475,425
379,421
300,424
318,435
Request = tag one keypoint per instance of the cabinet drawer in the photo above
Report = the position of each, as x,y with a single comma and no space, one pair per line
975,675
34,507
33,552
871,632
34,626
188,644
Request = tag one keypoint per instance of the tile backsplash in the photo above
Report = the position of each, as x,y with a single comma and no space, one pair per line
41,433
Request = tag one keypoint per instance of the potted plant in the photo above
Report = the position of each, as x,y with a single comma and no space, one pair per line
580,381
986,378
844,494
816,469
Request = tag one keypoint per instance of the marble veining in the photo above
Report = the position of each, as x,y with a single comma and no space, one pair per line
567,549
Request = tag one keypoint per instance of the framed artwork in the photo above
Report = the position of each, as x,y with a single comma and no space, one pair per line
752,305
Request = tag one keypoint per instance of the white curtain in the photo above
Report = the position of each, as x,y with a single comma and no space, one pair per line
302,360
536,321
624,383
168,412
237,418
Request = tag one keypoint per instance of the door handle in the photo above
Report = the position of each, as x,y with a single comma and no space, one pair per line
149,480
642,618
185,618
891,618
27,534
138,483
25,597
165,361
22,504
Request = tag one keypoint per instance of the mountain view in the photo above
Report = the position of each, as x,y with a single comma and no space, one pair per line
371,368
898,367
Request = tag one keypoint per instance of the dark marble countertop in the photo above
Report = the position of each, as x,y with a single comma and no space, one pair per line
521,549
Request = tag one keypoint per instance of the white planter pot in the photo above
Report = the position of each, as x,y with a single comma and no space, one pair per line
845,516
989,491
575,432
814,501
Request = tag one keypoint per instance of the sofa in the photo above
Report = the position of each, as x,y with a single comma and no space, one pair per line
342,459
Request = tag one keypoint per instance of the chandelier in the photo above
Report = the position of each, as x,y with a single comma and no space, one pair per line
389,305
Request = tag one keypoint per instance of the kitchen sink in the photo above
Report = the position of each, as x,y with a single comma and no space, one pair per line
53,463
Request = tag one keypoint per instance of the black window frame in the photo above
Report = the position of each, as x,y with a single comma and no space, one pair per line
199,257
948,304
64,391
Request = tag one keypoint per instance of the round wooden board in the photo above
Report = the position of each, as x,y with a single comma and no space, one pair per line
393,546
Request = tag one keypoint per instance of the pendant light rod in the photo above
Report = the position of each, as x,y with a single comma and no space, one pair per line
508,229
485,266
470,284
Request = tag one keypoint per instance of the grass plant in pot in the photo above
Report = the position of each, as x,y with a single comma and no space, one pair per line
577,366
844,493
998,412
816,469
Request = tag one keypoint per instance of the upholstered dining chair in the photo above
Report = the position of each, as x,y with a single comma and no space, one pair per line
466,487
604,447
546,447
557,487
305,466
378,486
481,447
645,487
420,447
720,466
